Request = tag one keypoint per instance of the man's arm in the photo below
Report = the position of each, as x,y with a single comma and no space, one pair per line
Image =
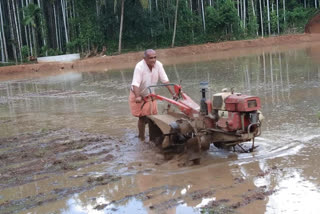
136,80
137,94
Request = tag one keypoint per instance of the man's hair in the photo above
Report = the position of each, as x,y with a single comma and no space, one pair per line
146,52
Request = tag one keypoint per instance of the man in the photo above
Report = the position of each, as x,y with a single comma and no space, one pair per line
147,72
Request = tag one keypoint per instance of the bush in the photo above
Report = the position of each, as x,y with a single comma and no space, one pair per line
25,52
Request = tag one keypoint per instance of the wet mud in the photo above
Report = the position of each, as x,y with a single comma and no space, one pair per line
51,151
68,143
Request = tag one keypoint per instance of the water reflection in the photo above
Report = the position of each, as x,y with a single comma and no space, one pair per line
287,82
295,195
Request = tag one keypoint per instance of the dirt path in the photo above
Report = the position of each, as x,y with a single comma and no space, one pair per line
167,56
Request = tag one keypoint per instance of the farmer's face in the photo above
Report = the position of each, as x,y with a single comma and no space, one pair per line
151,59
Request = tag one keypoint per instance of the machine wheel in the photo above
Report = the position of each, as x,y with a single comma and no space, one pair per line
219,145
155,133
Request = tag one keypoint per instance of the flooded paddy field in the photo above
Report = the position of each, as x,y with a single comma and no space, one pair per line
68,143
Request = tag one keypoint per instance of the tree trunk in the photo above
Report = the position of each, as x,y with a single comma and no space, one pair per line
261,19
25,29
3,36
35,41
268,11
278,25
29,33
97,8
59,30
244,14
121,25
284,11
17,29
192,21
19,24
14,50
254,15
203,18
253,10
63,7
175,23
56,25
241,11
1,46
238,7
42,30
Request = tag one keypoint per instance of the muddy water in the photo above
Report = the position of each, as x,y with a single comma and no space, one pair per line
69,145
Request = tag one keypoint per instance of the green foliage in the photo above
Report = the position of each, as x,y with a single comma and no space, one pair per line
7,64
31,13
25,52
223,22
299,16
252,23
186,25
92,25
274,21
43,50
53,52
72,46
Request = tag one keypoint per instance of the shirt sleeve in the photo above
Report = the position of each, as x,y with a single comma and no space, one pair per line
136,80
162,74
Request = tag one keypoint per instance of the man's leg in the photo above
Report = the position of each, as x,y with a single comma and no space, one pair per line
142,127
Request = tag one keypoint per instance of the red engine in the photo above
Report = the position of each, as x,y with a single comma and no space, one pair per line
242,103
235,112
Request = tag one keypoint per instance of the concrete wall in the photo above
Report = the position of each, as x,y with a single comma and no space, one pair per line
59,58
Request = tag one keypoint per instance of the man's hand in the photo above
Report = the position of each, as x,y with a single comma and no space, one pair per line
138,99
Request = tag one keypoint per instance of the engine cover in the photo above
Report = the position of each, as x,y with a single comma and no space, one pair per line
242,103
